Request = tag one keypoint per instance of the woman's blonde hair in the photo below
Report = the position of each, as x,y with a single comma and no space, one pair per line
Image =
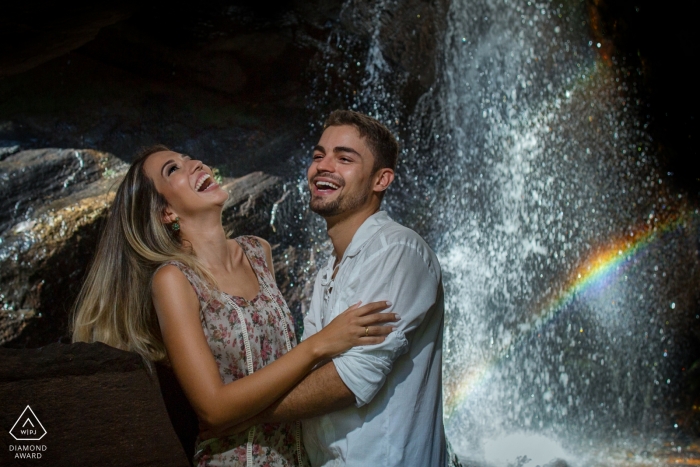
115,305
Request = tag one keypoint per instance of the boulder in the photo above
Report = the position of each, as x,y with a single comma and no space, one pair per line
95,405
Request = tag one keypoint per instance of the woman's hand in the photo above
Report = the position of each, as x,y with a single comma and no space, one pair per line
358,325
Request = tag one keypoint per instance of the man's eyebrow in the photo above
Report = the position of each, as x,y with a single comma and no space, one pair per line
345,149
320,148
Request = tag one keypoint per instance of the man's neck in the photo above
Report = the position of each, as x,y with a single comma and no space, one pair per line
342,229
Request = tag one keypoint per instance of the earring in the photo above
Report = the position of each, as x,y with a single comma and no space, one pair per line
175,225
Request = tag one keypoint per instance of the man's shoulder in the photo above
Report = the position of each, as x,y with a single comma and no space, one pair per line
394,233
393,236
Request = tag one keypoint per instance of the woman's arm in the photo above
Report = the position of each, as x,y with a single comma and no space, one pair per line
218,404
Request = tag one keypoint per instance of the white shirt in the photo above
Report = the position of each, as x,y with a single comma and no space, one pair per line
397,384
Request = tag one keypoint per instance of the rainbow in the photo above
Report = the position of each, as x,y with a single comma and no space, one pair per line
594,274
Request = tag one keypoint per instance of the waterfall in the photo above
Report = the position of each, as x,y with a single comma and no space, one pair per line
569,261
562,247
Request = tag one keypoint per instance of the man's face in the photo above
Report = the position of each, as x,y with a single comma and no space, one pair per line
340,175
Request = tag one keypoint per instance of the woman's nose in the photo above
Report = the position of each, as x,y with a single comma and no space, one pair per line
195,165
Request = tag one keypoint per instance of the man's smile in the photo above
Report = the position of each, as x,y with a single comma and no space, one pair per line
325,185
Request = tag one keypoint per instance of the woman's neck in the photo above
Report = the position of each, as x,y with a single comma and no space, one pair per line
209,243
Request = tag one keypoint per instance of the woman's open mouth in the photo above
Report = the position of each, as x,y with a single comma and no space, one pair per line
204,182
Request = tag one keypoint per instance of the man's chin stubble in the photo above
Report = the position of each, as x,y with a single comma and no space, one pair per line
338,206
325,210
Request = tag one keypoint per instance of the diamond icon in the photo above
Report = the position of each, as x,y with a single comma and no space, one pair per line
28,427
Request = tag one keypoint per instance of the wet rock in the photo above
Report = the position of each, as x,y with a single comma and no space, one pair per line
52,202
252,198
408,36
29,179
98,406
53,205
7,148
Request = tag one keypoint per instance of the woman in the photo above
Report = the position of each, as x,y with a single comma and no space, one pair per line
167,283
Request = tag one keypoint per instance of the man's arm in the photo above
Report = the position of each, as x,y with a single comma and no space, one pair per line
406,275
320,392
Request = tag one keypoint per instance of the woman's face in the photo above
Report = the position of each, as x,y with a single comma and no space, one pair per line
187,185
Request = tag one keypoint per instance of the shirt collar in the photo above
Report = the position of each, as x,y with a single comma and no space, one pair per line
369,227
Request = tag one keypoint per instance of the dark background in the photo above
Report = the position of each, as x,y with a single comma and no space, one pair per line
116,75
230,81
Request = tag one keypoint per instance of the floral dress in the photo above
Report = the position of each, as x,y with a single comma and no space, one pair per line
244,336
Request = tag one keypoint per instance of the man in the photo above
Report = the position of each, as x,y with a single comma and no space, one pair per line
377,405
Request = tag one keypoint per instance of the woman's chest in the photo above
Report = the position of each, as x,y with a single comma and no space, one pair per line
258,332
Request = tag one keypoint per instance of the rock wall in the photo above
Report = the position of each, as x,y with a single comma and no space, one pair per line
95,404
53,203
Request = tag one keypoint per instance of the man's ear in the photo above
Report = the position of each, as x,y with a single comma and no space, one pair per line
382,179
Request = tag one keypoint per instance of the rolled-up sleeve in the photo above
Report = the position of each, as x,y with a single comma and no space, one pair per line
408,276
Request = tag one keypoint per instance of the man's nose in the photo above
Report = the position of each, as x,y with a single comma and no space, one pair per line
325,165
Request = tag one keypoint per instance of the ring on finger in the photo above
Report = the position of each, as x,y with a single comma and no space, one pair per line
367,331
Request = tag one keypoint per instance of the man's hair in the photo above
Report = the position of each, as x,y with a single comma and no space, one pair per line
378,137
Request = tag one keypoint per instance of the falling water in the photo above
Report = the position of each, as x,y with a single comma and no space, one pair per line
565,256
569,261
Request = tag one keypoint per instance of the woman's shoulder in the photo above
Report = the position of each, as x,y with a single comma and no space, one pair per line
173,272
253,242
170,271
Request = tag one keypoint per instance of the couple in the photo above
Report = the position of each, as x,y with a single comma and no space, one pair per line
366,378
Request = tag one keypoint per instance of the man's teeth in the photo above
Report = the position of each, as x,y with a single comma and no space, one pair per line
327,185
201,181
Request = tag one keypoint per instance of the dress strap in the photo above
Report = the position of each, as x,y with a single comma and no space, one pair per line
256,254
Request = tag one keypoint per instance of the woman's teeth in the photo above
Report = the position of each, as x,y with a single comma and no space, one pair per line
200,186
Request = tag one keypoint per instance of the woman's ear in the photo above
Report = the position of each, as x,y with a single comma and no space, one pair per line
169,216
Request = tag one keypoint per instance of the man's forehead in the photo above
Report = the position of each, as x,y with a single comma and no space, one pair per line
342,135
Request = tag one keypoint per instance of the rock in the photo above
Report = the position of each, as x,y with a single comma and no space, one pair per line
252,198
39,33
98,405
7,148
408,36
53,200
29,179
53,204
